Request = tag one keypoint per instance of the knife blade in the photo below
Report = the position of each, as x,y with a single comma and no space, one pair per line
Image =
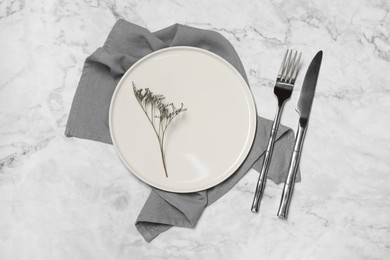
306,96
304,105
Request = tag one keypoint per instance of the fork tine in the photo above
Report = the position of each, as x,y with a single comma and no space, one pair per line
290,69
286,66
282,65
296,67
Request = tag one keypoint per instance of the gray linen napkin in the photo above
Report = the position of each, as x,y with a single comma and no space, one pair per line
88,118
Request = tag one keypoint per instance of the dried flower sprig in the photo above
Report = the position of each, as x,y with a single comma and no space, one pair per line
159,114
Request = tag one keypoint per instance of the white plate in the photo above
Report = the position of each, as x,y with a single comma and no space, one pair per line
205,144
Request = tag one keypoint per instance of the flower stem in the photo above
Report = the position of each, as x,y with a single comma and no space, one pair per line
163,157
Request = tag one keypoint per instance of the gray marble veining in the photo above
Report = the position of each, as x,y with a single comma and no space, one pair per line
66,198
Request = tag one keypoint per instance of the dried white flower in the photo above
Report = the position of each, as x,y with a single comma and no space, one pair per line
160,114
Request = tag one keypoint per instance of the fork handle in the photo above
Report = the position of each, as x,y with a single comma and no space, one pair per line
260,187
292,173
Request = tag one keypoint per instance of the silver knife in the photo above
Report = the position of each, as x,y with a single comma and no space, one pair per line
303,108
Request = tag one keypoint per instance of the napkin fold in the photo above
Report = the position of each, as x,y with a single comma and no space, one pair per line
88,118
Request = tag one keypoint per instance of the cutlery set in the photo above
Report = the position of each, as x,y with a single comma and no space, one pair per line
283,89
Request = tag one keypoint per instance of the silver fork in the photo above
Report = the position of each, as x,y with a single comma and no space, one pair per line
283,88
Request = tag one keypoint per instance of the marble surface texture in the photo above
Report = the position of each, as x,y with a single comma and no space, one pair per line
66,198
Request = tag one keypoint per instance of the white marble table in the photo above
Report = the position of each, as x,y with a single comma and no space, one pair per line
66,198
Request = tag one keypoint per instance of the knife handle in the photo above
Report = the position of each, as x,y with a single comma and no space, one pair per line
260,187
292,173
